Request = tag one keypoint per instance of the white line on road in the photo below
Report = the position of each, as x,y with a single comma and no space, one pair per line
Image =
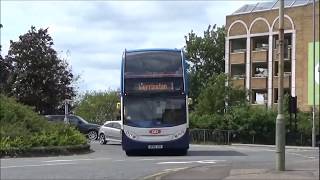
189,162
70,160
37,165
146,159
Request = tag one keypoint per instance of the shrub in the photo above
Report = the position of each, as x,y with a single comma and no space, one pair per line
21,128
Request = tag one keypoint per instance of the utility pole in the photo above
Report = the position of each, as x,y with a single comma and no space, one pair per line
280,121
314,80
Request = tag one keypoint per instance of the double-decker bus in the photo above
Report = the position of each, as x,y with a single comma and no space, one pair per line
154,101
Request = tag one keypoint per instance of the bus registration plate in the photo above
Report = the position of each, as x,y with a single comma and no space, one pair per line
155,146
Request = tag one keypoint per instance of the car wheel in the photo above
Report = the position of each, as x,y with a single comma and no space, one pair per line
102,139
93,135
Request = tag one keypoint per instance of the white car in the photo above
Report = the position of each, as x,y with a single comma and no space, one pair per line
110,131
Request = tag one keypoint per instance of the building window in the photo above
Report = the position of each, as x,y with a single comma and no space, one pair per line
260,43
286,67
287,46
238,45
238,70
259,96
275,94
260,69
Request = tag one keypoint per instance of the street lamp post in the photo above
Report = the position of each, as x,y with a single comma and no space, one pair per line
66,110
314,80
280,121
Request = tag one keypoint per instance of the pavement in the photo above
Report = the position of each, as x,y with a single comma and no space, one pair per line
205,172
273,146
210,172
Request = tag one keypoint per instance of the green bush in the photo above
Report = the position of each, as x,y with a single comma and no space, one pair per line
206,121
21,128
246,121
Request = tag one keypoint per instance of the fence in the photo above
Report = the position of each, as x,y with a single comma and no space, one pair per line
211,136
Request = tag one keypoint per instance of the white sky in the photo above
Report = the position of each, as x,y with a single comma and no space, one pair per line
95,33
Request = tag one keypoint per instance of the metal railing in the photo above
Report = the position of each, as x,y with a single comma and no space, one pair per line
211,136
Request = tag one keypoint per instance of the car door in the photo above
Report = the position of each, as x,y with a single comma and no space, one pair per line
112,133
117,131
107,130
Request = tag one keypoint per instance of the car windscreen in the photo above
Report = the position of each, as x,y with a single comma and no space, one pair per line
153,63
154,111
81,119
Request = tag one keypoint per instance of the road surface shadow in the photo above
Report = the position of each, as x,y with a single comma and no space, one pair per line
215,153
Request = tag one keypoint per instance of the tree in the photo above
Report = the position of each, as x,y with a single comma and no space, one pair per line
98,107
38,78
205,56
5,72
213,98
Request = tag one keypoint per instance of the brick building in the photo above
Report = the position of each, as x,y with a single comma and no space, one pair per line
251,51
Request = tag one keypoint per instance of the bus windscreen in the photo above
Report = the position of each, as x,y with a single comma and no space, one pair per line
154,111
153,63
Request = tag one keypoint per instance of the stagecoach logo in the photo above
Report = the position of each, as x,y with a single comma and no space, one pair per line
155,131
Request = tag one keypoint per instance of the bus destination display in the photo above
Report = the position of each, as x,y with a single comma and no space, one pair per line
153,86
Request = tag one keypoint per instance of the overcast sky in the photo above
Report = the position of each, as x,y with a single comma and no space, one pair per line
93,34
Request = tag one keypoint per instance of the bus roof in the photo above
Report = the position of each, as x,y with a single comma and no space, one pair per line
153,49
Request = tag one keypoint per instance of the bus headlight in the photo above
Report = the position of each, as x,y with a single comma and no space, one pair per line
179,134
130,134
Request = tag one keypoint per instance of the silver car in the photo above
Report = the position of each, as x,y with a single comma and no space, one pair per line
110,131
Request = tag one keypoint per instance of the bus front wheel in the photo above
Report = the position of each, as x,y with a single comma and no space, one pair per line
129,153
182,152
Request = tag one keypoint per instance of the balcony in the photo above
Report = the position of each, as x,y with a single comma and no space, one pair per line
259,83
238,82
238,57
259,55
286,81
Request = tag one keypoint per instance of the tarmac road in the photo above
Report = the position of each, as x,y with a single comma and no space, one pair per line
110,162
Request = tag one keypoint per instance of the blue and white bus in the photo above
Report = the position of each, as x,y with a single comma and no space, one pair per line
154,101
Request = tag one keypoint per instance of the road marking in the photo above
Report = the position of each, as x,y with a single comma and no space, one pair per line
119,160
37,165
70,160
146,159
62,160
157,176
189,162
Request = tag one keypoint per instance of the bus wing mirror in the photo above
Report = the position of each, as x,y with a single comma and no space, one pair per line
189,101
118,105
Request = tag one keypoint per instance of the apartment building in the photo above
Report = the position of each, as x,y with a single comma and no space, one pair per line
252,57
